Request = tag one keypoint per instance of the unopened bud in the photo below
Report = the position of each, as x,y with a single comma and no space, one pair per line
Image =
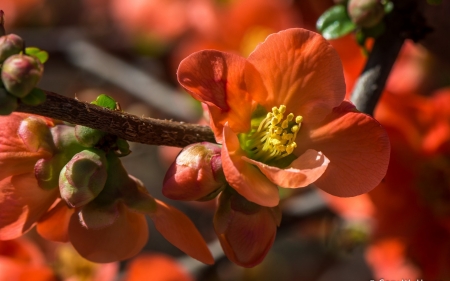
366,13
245,230
36,135
10,44
86,136
196,174
84,177
8,103
20,74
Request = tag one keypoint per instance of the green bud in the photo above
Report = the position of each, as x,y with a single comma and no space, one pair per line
20,74
10,44
88,137
8,103
84,177
366,13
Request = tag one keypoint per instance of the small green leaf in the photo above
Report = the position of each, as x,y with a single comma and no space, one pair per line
36,52
105,101
335,23
35,97
31,51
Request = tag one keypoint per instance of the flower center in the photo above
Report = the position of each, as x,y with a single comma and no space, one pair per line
275,136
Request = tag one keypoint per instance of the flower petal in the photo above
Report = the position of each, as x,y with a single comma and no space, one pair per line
121,240
14,155
22,203
54,224
217,79
303,171
179,230
358,149
299,69
245,178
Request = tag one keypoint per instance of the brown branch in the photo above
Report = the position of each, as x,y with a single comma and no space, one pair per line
129,127
404,22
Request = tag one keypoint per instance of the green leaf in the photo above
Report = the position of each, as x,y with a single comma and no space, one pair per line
335,23
105,101
38,53
35,97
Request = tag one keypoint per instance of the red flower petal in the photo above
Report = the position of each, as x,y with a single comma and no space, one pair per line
358,149
245,178
121,240
22,203
299,69
303,171
179,230
54,224
217,79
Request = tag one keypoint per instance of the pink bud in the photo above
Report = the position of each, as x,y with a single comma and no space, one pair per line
20,74
84,177
196,174
366,13
245,230
35,134
10,44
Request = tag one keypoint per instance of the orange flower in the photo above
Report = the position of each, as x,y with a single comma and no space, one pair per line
22,260
281,118
156,267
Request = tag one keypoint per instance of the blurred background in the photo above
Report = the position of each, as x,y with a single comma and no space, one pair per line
130,50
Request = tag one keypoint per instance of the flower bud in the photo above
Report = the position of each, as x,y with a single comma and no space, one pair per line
366,13
20,74
196,174
8,103
86,136
84,177
36,135
10,44
245,230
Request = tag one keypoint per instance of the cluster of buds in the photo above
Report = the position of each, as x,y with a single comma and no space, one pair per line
70,181
21,70
245,230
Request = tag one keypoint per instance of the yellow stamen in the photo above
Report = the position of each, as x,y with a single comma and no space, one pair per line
275,136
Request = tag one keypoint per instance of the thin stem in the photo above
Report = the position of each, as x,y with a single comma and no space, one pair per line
129,127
